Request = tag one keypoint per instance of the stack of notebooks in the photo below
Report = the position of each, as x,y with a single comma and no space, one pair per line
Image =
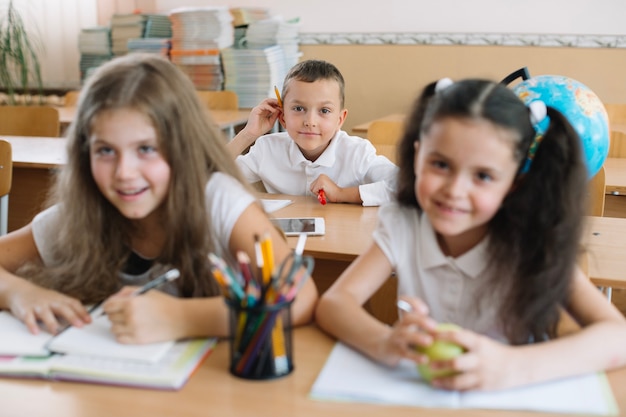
91,354
243,16
94,45
123,28
276,31
156,36
253,72
198,34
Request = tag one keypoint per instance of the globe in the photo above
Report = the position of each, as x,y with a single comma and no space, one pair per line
582,108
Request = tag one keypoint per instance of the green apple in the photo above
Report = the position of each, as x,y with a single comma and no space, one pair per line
439,350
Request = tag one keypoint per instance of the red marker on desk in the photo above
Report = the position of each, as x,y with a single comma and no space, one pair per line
321,196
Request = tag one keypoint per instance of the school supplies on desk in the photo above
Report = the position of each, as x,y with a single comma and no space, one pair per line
350,376
259,305
170,370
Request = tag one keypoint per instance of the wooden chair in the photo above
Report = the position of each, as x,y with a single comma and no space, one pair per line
29,121
219,100
70,99
617,148
384,135
6,179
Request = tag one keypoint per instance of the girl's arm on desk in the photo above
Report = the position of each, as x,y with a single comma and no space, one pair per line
487,364
27,301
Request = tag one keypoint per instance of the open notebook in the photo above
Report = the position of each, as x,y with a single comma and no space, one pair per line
350,376
92,354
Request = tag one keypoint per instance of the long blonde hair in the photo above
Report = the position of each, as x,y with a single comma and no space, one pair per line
93,242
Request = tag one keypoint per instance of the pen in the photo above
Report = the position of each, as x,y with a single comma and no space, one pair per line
170,275
404,306
280,101
321,196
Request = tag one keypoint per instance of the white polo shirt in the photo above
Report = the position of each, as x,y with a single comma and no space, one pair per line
453,288
349,161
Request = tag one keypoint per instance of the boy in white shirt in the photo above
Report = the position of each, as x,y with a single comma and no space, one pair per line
313,154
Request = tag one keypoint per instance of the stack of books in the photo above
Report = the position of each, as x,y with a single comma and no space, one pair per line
243,16
156,36
94,45
123,28
276,31
160,46
198,35
158,26
253,72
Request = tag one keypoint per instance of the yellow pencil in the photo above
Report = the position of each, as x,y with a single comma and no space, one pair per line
280,101
267,253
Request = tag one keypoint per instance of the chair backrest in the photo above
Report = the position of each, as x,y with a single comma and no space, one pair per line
596,189
29,121
219,100
6,179
617,148
71,98
384,135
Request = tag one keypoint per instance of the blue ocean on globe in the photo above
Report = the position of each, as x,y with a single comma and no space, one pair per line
582,108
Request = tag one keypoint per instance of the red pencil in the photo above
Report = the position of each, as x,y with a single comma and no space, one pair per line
321,196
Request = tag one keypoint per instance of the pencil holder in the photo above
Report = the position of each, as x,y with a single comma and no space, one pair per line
260,340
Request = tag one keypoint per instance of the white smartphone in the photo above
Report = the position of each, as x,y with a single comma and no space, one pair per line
294,226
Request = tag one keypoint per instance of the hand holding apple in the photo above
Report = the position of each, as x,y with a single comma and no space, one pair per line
437,351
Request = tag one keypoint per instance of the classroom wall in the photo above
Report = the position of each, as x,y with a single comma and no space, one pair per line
384,79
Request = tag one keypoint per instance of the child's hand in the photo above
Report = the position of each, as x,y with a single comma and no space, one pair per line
331,190
486,364
412,329
262,118
32,304
147,318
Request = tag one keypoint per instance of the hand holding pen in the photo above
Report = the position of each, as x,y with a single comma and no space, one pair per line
159,281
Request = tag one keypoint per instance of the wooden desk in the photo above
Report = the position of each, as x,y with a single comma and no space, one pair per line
227,120
349,230
212,391
361,129
615,177
605,238
34,163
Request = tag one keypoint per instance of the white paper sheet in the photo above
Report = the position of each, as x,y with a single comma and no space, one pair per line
350,376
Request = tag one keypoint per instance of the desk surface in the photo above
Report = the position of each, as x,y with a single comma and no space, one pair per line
213,391
224,118
37,152
349,227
